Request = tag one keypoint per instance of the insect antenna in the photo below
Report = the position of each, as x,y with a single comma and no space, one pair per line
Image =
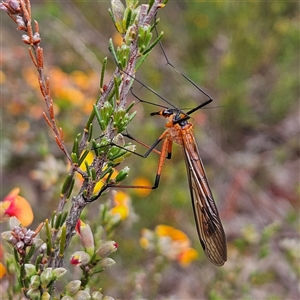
145,86
145,101
152,91
182,74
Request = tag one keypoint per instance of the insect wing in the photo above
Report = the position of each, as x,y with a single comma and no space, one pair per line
209,226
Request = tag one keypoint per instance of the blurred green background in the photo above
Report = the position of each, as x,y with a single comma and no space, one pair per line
246,56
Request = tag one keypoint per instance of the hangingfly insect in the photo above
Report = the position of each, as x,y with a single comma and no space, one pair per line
208,223
180,131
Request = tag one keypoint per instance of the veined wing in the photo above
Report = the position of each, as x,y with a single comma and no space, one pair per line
209,226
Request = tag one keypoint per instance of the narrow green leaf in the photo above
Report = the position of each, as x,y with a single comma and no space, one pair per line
64,216
113,52
38,261
88,170
71,188
94,176
66,184
90,132
90,120
112,16
57,221
53,218
128,18
30,253
153,44
108,170
95,148
122,175
74,158
76,144
103,73
49,239
100,120
62,240
130,106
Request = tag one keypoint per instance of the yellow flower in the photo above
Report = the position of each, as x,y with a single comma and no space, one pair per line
173,233
89,159
17,206
187,256
122,204
169,242
2,270
142,181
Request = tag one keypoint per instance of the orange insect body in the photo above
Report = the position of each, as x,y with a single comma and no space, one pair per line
176,132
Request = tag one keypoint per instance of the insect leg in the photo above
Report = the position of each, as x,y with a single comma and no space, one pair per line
165,152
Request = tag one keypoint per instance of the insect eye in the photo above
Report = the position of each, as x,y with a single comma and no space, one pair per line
167,112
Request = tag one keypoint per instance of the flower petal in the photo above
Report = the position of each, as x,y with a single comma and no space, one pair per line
173,233
187,256
17,206
2,270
